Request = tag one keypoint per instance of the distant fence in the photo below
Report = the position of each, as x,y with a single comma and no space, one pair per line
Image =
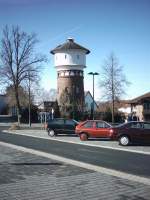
43,117
7,119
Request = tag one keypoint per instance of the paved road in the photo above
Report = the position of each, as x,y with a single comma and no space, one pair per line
128,162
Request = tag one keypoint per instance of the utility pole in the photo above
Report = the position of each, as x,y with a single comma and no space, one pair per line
93,74
73,89
29,99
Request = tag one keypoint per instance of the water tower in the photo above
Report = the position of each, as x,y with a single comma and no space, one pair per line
70,61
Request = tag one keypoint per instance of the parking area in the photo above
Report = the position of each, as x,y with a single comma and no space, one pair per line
105,143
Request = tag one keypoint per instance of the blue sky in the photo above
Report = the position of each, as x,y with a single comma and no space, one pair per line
103,26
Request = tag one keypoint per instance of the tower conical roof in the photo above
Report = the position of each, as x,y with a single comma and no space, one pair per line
69,44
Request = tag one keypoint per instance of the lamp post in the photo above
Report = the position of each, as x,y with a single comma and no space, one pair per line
73,95
29,88
93,74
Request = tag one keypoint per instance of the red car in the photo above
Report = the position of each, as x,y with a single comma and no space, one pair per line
95,129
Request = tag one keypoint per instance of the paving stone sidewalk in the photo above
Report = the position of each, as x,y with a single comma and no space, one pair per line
24,176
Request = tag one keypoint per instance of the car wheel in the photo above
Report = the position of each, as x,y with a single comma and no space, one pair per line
83,136
124,140
51,132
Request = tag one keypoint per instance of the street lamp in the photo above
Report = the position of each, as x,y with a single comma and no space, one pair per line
73,92
29,90
93,74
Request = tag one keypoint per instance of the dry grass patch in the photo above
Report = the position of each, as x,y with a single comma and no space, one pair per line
14,127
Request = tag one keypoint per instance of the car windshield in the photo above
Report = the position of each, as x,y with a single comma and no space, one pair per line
56,120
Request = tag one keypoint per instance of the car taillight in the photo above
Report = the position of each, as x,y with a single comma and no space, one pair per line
111,131
46,125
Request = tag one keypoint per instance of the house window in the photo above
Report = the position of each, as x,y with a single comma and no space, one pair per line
65,56
78,56
146,106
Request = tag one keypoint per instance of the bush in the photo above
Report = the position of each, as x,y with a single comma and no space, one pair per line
25,115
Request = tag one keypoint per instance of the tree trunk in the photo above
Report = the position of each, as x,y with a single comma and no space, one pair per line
113,93
17,104
113,111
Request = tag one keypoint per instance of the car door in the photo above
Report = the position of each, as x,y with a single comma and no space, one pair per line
135,130
69,126
88,127
59,125
101,129
146,133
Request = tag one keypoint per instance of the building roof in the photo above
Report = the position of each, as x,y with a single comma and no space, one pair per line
138,99
86,93
69,44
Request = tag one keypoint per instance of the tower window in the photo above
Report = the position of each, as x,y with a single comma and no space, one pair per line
66,73
78,56
81,73
62,74
71,73
65,56
77,90
67,89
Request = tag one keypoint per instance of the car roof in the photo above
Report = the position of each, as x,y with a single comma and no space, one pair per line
63,119
97,120
127,123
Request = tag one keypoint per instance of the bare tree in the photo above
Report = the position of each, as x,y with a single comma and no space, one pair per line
53,94
29,85
11,100
69,106
18,59
41,95
113,80
65,102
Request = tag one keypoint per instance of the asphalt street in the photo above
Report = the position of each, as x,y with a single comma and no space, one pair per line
132,163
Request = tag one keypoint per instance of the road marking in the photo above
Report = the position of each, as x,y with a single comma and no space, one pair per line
81,143
102,170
